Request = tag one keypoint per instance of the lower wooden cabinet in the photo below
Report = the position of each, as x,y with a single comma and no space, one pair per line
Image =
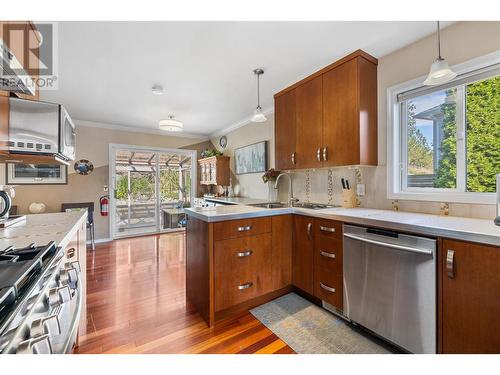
303,251
242,269
469,303
317,258
328,264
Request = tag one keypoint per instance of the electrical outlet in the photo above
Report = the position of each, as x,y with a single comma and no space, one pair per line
360,190
105,188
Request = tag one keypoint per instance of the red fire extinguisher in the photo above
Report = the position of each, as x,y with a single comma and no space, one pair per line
104,203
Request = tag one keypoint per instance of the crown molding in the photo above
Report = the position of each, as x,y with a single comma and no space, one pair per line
247,120
123,128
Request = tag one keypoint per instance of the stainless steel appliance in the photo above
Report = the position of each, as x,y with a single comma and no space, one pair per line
40,300
390,286
41,128
6,195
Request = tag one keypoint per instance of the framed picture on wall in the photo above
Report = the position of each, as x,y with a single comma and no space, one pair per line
251,158
35,174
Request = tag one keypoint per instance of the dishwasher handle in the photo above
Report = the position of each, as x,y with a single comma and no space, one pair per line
409,249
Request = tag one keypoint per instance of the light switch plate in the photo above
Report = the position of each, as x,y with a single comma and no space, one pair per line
360,190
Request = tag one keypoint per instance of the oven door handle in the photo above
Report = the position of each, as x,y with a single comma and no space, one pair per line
409,249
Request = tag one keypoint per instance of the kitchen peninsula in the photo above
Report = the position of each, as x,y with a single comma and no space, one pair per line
240,256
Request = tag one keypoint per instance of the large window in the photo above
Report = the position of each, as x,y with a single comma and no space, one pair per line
446,139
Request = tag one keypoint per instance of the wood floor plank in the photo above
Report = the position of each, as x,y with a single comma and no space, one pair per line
136,303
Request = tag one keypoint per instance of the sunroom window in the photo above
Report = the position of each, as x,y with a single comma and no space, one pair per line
448,137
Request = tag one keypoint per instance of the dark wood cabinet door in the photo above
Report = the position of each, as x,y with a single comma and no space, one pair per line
340,115
470,300
302,254
284,130
309,123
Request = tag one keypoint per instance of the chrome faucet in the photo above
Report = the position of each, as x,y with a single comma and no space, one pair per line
291,199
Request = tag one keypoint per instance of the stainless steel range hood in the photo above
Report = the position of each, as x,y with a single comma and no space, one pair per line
13,77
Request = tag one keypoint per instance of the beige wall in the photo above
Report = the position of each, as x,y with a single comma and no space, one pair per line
460,42
93,144
249,185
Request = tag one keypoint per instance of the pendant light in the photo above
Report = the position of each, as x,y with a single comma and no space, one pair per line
258,115
171,125
440,71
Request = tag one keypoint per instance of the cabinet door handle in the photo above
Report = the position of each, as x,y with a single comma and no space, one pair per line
327,229
244,254
328,255
450,264
327,288
245,228
309,227
293,158
70,253
318,154
325,153
245,286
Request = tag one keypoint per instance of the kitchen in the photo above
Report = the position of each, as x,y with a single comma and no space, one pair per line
346,203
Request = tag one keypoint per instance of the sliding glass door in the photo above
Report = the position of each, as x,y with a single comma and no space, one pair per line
149,189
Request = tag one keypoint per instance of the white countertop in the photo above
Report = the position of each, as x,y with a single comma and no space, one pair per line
475,230
43,228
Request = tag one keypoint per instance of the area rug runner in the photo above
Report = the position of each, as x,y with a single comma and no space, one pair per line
309,329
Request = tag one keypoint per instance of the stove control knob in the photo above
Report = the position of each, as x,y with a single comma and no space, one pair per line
58,296
69,277
36,345
46,326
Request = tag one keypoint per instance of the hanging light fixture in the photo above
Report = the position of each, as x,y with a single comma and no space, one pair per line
258,115
440,71
171,125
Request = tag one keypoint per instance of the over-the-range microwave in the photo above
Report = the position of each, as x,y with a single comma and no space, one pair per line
41,128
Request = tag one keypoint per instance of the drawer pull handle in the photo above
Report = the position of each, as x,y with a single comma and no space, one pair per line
244,254
318,154
71,252
327,288
327,229
328,255
450,263
245,286
245,228
293,158
325,154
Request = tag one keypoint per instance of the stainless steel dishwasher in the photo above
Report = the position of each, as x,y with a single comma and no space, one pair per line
390,286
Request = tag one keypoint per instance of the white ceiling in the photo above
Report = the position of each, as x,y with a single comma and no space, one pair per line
106,69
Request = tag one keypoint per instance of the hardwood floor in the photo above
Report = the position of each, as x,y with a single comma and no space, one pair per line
136,304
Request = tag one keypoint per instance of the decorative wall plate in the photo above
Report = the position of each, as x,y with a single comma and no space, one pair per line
223,141
84,167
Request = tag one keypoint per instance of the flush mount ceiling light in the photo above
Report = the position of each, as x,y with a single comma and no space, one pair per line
157,89
258,115
171,125
440,71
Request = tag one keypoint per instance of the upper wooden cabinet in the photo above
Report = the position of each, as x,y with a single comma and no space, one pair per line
284,115
215,171
334,115
309,124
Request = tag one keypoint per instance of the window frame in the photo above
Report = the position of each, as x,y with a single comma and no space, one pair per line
396,147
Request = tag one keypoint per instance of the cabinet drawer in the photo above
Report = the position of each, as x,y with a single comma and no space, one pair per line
327,229
328,286
241,228
242,269
328,253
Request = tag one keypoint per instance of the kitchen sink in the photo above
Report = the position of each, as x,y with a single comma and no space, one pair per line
270,205
312,206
